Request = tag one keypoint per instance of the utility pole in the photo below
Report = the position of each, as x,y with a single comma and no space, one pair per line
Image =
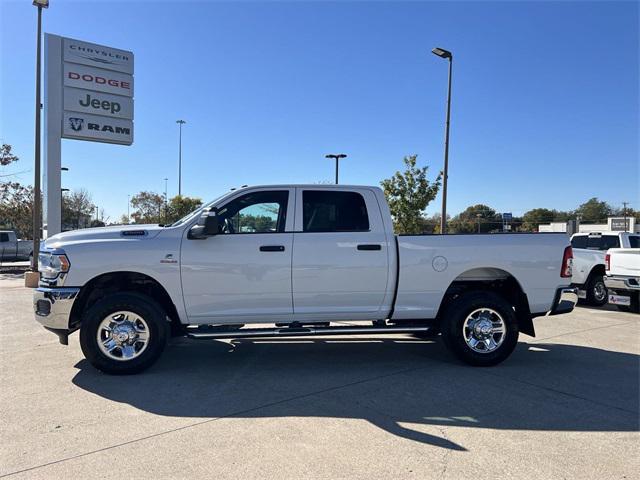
180,122
624,213
128,208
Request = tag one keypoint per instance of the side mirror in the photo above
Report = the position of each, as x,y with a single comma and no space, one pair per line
207,225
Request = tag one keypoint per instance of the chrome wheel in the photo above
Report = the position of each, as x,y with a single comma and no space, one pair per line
484,330
599,291
123,335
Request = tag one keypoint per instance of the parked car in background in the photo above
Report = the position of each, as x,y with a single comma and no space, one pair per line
589,251
12,249
304,259
623,278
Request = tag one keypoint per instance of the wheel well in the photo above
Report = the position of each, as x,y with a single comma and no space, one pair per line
597,270
113,282
496,281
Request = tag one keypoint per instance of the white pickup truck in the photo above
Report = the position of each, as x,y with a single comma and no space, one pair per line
589,250
13,249
623,278
304,260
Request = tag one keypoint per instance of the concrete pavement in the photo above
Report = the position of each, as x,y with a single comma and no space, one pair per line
565,405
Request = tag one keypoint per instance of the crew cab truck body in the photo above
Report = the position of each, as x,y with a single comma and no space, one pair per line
299,258
623,278
589,251
12,249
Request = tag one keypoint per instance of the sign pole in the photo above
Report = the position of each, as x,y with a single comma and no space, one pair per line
52,213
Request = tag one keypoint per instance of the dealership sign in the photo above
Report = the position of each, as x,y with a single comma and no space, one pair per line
88,95
96,87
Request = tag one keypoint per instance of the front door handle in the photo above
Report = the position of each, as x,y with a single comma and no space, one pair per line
272,248
371,246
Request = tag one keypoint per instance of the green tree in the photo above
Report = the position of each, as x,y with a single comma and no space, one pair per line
594,211
408,194
6,157
16,200
533,218
77,209
16,204
148,207
180,206
468,220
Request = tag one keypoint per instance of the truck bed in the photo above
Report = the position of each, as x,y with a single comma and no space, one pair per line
427,262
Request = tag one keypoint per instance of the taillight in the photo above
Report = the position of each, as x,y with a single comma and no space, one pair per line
567,263
607,262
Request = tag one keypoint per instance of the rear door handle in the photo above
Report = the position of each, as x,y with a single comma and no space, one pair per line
272,248
371,246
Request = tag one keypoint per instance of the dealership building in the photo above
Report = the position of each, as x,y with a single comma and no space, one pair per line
614,224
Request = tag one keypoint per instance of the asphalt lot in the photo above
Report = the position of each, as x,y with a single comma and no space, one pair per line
565,405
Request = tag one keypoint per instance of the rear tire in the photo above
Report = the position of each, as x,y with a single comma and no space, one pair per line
124,333
597,294
480,328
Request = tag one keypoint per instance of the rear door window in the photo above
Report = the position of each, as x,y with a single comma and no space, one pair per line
326,211
634,241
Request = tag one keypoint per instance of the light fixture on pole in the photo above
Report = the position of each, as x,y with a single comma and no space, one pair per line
180,122
37,207
337,158
442,53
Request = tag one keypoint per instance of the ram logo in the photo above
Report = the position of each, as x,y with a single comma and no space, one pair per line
76,123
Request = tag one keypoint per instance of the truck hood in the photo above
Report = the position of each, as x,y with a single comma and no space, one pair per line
139,232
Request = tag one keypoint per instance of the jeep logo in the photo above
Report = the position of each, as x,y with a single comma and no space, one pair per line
113,107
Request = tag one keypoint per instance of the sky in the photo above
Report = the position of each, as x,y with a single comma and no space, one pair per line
545,108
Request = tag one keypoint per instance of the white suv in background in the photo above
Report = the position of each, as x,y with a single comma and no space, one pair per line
589,250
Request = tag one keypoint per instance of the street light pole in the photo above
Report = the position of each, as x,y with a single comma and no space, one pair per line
128,209
337,158
37,207
442,53
180,122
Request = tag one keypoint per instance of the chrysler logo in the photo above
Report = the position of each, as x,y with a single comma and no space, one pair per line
76,123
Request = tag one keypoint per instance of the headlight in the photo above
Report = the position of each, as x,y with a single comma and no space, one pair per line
50,265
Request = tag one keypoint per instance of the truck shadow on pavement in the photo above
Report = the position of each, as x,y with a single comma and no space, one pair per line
410,388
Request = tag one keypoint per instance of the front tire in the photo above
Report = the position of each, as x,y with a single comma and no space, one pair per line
480,328
124,333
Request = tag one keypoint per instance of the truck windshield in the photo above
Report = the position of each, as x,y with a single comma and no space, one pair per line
195,213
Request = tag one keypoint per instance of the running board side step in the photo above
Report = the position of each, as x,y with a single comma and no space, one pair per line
301,332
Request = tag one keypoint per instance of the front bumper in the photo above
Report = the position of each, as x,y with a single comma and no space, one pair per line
52,307
565,300
622,283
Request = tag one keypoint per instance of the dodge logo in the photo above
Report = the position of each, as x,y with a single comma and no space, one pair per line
76,123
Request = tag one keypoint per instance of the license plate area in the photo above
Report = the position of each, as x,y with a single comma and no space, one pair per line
619,300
